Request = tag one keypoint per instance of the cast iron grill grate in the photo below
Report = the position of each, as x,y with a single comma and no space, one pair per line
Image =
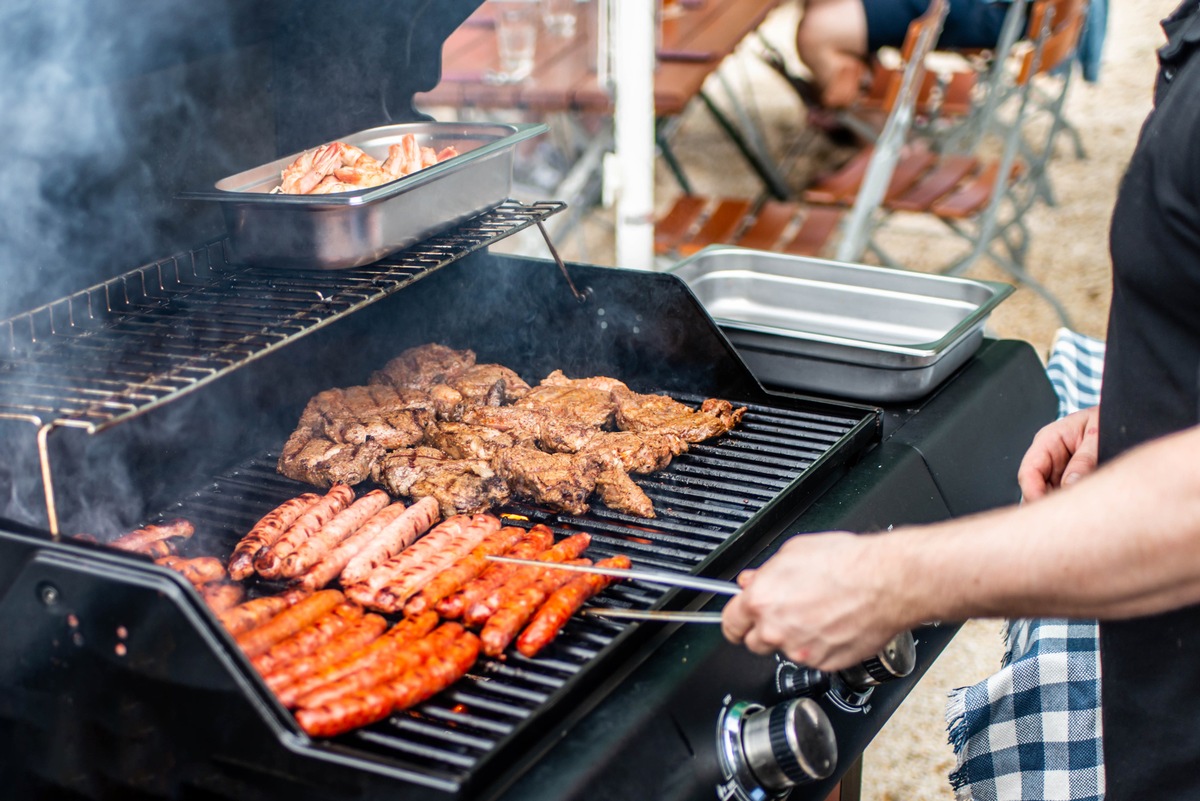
140,340
706,501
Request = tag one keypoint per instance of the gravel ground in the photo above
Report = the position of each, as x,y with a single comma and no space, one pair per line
1069,253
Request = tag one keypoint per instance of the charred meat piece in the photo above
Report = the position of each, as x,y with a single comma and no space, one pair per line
548,432
464,441
644,452
598,382
560,481
660,414
323,463
617,490
424,366
573,400
458,485
489,385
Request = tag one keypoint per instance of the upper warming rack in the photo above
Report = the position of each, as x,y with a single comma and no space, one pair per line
144,338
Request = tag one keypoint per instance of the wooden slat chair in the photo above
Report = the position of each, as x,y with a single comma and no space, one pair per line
695,221
982,200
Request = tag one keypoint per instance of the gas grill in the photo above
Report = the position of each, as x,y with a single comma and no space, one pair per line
168,390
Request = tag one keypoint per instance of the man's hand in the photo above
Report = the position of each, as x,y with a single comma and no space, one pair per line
821,600
1061,453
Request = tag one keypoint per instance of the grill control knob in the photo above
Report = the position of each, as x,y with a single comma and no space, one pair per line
895,661
788,744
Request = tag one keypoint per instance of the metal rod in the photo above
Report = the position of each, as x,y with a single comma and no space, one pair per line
653,576
651,614
48,479
579,296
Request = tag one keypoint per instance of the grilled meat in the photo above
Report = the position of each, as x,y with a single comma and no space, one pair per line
664,415
532,426
424,366
558,480
458,485
580,401
489,385
644,452
619,492
465,441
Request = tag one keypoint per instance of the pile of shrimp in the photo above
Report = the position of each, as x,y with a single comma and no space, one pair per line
339,167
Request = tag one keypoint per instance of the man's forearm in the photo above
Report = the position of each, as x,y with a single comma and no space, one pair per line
1124,542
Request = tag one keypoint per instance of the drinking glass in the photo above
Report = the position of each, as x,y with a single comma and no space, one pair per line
516,38
559,17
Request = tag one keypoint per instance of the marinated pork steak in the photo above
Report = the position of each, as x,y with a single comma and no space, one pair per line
458,485
435,424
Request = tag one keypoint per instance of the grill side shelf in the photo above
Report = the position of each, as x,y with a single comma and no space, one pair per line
142,339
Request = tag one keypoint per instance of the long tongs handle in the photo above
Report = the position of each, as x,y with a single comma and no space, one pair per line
652,576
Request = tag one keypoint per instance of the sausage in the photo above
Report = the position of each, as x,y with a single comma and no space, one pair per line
139,539
535,541
328,568
339,528
416,567
221,596
506,623
563,603
357,635
269,561
254,613
399,636
562,551
454,577
399,659
309,638
446,666
200,570
266,532
433,664
259,640
416,520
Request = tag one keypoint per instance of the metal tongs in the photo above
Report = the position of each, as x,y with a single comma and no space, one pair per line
685,580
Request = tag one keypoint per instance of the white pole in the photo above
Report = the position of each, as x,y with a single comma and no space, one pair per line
633,42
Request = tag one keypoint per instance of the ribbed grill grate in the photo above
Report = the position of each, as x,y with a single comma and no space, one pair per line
706,500
142,339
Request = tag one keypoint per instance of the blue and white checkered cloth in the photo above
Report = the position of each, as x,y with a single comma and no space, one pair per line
1032,731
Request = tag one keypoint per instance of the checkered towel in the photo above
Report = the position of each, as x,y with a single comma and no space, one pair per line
1032,730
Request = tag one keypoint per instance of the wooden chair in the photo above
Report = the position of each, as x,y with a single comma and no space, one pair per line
981,199
695,221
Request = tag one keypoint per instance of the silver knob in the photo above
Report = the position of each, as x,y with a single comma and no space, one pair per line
895,661
788,744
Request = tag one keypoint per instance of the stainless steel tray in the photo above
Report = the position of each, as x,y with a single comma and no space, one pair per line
349,229
850,330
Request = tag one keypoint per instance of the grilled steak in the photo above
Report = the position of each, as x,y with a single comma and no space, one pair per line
570,400
531,425
558,480
660,414
463,441
424,366
489,385
458,485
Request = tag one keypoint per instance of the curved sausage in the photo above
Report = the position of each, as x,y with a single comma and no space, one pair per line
416,567
266,532
309,638
244,617
269,561
559,607
139,539
358,635
506,623
454,577
220,597
399,636
258,640
415,520
345,523
200,570
328,568
535,541
562,551
404,657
